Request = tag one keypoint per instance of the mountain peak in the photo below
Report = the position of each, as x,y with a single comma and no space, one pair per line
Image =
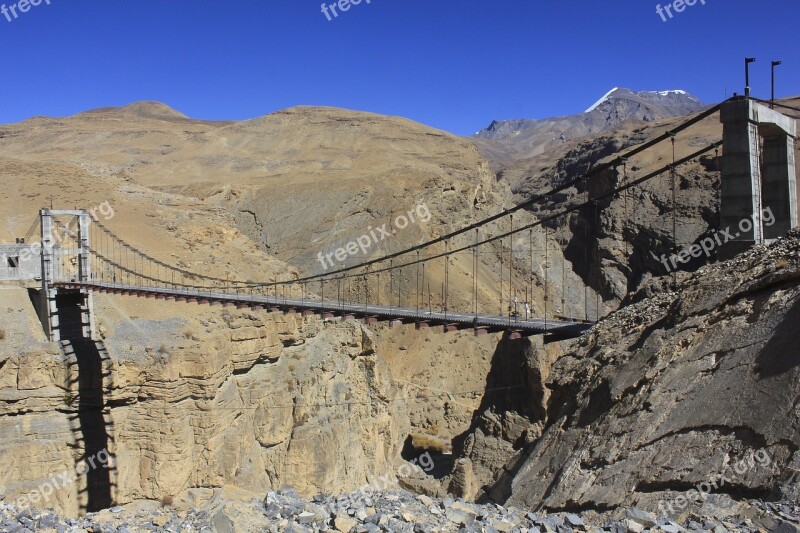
602,99
143,109
671,98
524,138
148,108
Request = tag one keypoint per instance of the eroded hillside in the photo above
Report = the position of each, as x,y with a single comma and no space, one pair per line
663,395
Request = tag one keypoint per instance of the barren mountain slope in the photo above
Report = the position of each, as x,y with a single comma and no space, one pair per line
661,396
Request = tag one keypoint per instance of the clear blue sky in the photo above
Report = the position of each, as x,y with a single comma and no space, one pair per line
452,64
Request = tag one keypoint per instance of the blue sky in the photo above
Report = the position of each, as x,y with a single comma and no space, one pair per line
451,64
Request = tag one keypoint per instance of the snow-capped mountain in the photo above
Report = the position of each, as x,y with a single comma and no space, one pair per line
676,102
522,138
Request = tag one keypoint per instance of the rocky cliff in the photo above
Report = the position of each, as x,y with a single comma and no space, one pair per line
678,388
226,397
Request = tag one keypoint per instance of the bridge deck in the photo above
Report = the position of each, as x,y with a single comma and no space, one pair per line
531,326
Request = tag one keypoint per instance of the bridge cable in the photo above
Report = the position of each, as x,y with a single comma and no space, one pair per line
539,222
510,271
597,262
423,286
674,215
478,224
366,289
474,276
501,282
562,244
776,104
564,186
417,284
529,298
546,277
399,287
587,255
579,206
717,167
446,279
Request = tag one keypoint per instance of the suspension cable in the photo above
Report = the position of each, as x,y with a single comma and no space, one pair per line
242,285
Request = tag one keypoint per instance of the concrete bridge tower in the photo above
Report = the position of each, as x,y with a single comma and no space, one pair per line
758,174
53,270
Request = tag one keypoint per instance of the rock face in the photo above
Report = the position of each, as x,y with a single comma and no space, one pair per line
699,385
511,416
230,397
297,415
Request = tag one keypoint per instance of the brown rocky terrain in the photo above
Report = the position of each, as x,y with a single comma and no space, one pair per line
231,397
199,399
662,395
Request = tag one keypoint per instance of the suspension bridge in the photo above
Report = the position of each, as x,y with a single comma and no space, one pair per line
757,170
